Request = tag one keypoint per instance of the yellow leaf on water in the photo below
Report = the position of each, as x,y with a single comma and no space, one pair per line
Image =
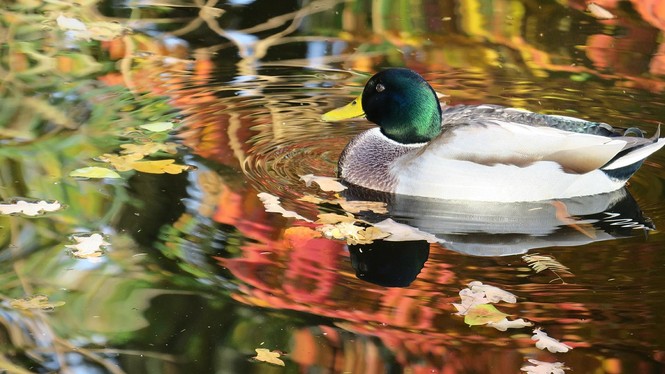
482,314
135,161
149,148
94,172
121,163
265,355
159,167
35,302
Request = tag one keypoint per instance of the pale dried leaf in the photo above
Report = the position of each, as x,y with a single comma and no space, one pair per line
29,208
600,12
35,302
88,246
94,172
272,205
541,367
543,341
333,218
68,23
469,300
325,183
106,31
505,324
158,126
362,206
312,199
493,294
401,232
540,262
271,357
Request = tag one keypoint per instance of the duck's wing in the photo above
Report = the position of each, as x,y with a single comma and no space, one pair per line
463,113
492,142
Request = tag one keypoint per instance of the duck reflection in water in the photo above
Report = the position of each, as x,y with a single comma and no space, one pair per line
490,229
389,264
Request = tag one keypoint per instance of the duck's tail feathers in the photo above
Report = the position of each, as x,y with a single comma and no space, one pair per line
636,153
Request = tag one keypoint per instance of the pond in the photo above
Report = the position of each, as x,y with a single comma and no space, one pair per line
203,246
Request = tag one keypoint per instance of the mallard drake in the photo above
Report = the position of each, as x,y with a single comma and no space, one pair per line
480,152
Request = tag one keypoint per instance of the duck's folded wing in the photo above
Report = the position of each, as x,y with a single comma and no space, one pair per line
493,142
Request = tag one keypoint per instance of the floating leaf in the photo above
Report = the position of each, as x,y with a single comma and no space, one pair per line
505,324
271,357
88,246
469,300
134,161
355,206
272,205
158,126
94,172
325,183
333,218
29,208
543,341
149,148
160,167
68,23
483,314
600,12
493,294
541,367
35,302
362,206
401,232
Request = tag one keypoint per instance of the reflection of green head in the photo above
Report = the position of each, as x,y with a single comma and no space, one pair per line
403,104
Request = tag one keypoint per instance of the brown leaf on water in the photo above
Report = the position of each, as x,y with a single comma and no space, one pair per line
271,357
35,302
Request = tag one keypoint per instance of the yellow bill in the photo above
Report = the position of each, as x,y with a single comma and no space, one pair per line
353,109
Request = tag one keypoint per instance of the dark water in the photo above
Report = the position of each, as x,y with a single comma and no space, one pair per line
199,275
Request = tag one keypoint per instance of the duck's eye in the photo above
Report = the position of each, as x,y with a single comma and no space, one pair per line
380,87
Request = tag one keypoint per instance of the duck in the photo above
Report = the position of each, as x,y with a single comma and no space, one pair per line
480,152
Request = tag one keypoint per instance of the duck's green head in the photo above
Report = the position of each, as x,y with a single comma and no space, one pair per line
401,102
